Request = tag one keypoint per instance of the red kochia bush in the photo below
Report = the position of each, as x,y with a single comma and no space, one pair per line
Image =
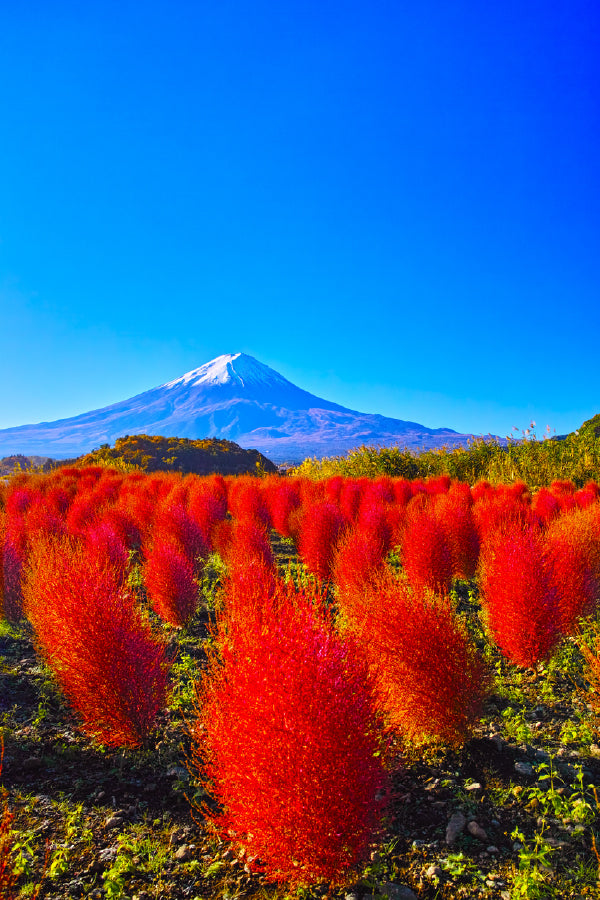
246,501
173,522
430,680
13,553
453,512
286,741
105,541
359,557
170,582
426,554
103,654
283,498
572,547
500,509
206,509
321,526
545,506
519,596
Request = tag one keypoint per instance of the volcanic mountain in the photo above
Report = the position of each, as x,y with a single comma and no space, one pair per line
234,397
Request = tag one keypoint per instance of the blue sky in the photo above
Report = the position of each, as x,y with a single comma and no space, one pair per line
395,205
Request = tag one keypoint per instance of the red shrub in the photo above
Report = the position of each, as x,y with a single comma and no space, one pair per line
374,518
174,522
572,546
350,499
2,538
439,484
358,559
170,583
14,554
519,596
105,542
123,523
222,537
206,510
321,526
505,508
587,495
481,490
246,501
249,540
453,512
402,491
426,555
333,487
245,587
83,512
430,681
103,654
283,498
545,506
377,492
564,491
286,740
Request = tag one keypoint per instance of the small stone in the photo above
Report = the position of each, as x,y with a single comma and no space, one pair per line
434,872
184,853
455,825
595,749
492,849
397,891
32,764
352,895
475,786
475,829
523,768
107,854
114,822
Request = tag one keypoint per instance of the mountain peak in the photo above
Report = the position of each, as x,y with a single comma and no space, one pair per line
234,397
232,369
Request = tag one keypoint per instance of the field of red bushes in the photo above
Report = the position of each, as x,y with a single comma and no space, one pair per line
337,637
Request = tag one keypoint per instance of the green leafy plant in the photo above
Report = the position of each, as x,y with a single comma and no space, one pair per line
530,876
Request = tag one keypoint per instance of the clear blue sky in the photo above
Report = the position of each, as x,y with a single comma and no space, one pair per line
396,205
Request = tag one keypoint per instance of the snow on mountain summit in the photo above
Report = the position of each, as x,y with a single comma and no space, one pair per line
233,369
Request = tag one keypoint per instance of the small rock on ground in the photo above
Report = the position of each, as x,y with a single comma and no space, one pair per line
455,825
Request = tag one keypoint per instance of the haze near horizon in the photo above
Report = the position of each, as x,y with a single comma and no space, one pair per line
395,208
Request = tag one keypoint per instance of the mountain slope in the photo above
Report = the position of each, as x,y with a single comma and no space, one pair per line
233,397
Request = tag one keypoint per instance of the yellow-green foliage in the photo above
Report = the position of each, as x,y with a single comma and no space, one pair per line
536,462
152,453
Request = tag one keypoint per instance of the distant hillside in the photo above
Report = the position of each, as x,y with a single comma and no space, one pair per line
10,465
154,453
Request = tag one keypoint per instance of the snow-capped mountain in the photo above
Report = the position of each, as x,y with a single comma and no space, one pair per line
235,397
